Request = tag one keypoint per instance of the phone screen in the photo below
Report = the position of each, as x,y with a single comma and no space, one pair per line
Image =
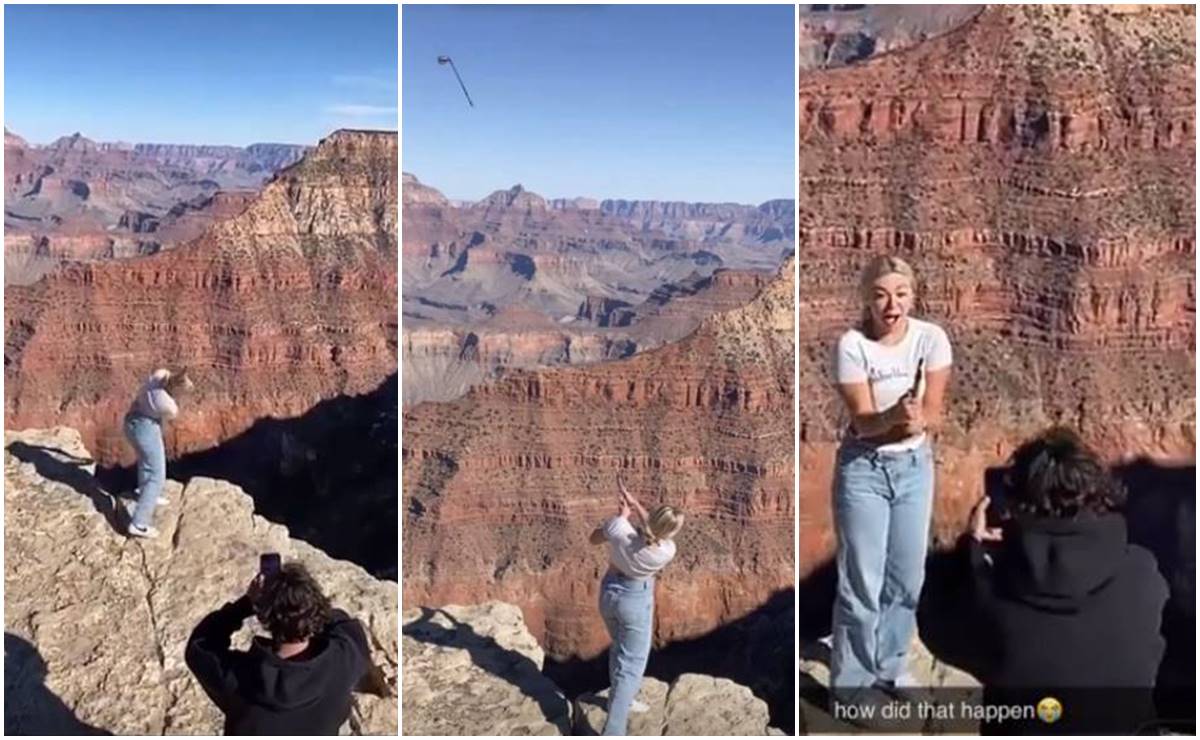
268,563
995,483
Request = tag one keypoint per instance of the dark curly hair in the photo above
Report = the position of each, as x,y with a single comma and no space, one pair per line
1057,475
291,604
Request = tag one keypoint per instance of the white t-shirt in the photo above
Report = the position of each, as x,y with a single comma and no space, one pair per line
152,399
630,554
889,370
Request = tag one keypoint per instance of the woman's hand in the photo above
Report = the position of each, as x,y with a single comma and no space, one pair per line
623,509
907,414
979,528
630,504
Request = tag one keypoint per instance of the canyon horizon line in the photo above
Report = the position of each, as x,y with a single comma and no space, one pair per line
153,146
593,201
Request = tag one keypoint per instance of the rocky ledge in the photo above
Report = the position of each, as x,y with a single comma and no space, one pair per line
477,670
943,684
95,623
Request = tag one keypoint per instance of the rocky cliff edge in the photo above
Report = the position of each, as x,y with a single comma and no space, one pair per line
477,670
95,623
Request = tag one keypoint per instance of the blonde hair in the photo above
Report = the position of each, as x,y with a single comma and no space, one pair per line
179,382
664,522
880,266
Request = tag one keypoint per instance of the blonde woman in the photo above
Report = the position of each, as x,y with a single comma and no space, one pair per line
891,372
155,403
627,596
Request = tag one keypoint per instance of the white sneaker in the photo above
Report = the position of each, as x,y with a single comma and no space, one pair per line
637,707
147,533
905,686
162,500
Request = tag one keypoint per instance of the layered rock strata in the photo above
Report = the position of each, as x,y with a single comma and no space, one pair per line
77,199
96,623
838,35
1036,166
288,303
567,281
502,487
442,362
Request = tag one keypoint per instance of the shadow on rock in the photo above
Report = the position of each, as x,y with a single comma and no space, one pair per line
29,707
63,467
1161,512
756,651
328,475
489,655
815,613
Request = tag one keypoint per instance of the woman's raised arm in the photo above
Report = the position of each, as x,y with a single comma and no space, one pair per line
632,503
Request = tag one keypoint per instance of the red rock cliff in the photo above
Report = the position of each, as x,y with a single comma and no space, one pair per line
290,302
1037,168
503,486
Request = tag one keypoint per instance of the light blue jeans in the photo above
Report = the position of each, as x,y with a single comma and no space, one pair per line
882,504
145,434
627,606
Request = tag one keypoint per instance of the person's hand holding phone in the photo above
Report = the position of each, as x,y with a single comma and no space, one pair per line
910,411
254,590
979,527
269,564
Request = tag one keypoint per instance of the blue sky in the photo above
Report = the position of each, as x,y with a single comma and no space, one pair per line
218,74
668,102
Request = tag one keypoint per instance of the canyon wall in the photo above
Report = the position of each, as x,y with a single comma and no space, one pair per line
502,487
288,303
1036,166
77,199
516,281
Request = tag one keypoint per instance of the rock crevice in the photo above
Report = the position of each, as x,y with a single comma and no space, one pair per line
98,622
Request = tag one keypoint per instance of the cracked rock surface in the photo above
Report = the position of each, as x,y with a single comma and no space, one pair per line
692,704
96,623
477,670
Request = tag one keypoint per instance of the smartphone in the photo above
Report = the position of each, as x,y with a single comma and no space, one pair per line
996,486
269,563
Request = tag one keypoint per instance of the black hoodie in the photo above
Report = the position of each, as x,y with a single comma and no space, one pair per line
263,694
1072,611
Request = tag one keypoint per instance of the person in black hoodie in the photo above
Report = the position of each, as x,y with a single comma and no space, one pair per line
298,681
1070,608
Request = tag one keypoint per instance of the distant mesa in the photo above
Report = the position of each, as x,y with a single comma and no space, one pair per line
76,142
568,262
515,197
839,35
68,200
12,140
417,193
576,204
292,294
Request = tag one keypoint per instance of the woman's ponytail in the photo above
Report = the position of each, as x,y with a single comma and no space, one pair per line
648,536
